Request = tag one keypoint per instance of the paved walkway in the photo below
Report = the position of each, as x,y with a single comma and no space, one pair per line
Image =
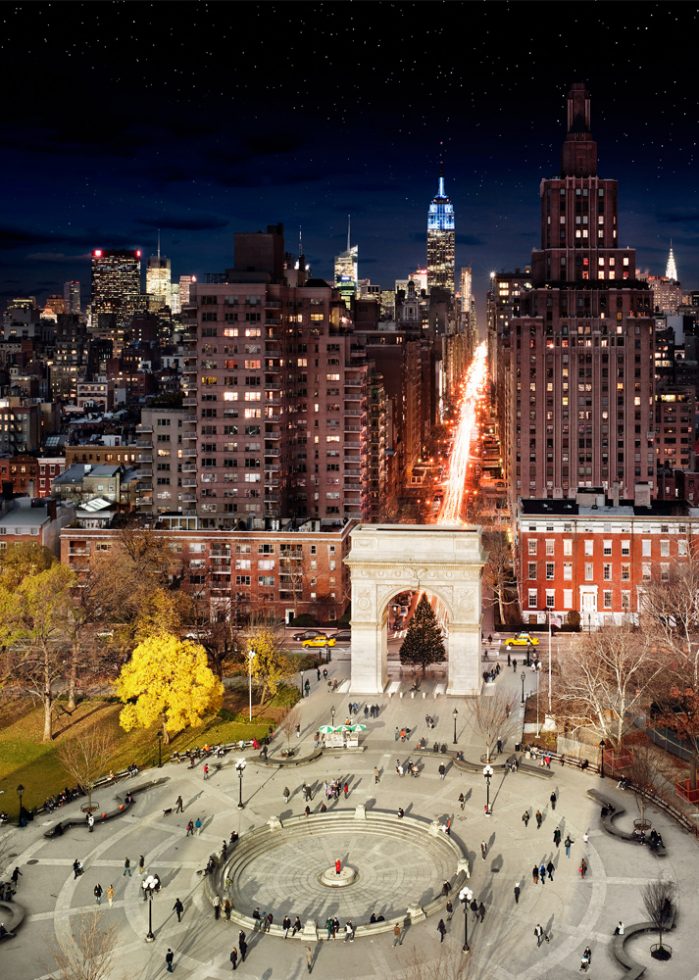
575,912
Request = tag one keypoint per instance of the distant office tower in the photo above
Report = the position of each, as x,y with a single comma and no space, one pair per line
440,241
158,280
116,284
71,296
186,283
347,271
671,269
580,345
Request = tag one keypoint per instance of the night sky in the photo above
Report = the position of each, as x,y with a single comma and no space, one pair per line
203,119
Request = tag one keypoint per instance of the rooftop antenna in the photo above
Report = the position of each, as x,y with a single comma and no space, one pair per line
348,231
300,242
440,192
158,243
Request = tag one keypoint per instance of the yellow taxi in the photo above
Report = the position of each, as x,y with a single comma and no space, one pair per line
319,641
523,640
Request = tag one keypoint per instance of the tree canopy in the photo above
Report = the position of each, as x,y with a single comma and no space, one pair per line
167,681
271,665
423,643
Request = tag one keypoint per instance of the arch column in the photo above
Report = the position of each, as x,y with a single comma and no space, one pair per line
445,561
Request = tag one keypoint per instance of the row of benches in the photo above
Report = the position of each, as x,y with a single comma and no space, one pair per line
396,687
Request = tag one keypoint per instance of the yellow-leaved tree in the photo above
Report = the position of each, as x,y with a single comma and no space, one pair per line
167,681
271,665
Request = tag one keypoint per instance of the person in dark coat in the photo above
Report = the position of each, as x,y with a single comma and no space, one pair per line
169,959
442,930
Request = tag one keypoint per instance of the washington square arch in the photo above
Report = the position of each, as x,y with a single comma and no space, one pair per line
445,561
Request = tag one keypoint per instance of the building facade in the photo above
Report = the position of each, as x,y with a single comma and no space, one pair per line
116,286
441,241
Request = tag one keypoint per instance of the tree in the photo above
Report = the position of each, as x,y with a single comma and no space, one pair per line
289,725
647,775
659,902
498,569
167,681
85,758
90,955
492,717
22,559
271,665
607,681
34,622
423,643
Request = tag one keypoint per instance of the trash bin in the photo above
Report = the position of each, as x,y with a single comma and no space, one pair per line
518,746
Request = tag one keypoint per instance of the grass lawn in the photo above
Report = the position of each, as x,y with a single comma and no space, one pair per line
25,760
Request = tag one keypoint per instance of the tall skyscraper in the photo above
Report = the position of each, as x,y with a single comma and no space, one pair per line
347,271
71,296
671,270
579,364
116,284
185,285
158,279
440,241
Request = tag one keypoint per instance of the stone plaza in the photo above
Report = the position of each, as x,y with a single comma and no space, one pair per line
400,863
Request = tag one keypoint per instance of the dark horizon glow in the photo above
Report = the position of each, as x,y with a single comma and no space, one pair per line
201,120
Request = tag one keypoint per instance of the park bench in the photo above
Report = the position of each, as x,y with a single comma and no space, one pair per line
612,811
393,688
634,970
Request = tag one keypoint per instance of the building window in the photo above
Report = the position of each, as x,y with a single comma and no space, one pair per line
532,546
567,598
645,571
550,598
589,546
665,549
625,573
567,546
626,547
550,546
607,548
645,547
568,571
626,601
589,571
607,572
550,570
682,549
531,569
665,572
533,598
607,599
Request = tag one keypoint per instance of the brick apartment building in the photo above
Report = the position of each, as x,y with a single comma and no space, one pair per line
594,556
242,572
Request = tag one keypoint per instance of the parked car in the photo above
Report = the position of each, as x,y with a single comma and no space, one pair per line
522,640
319,641
309,635
344,636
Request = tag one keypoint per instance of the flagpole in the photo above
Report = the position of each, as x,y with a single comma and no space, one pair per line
549,612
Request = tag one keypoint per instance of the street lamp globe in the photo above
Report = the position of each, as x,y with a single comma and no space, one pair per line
240,769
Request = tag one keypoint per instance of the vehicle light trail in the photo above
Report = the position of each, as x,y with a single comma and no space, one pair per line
465,434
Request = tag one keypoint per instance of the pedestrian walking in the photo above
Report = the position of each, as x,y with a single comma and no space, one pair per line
234,958
481,911
227,908
307,811
446,887
169,960
179,805
498,746
568,843
542,873
330,927
484,849
397,933
97,892
242,945
286,794
377,775
90,822
525,818
141,865
77,869
178,908
198,826
553,799
442,770
583,868
349,931
586,837
539,933
550,867
206,770
442,930
557,837
396,734
298,730
535,874
462,800
190,829
517,890
309,958
450,910
401,812
317,673
346,790
585,959
127,868
110,894
539,819
268,920
217,907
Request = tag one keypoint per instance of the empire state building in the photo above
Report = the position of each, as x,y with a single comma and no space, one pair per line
440,241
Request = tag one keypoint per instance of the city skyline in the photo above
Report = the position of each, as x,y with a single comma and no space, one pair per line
157,151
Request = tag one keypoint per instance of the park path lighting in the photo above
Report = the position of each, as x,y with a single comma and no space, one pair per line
488,772
465,897
456,714
20,792
150,886
602,747
159,736
251,657
332,715
524,677
301,672
240,769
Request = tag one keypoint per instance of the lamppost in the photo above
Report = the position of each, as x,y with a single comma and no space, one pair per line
301,672
488,771
465,896
456,713
524,677
251,657
150,886
332,715
159,736
602,747
20,791
240,769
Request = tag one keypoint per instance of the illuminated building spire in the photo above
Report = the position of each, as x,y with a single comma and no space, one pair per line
671,270
440,237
